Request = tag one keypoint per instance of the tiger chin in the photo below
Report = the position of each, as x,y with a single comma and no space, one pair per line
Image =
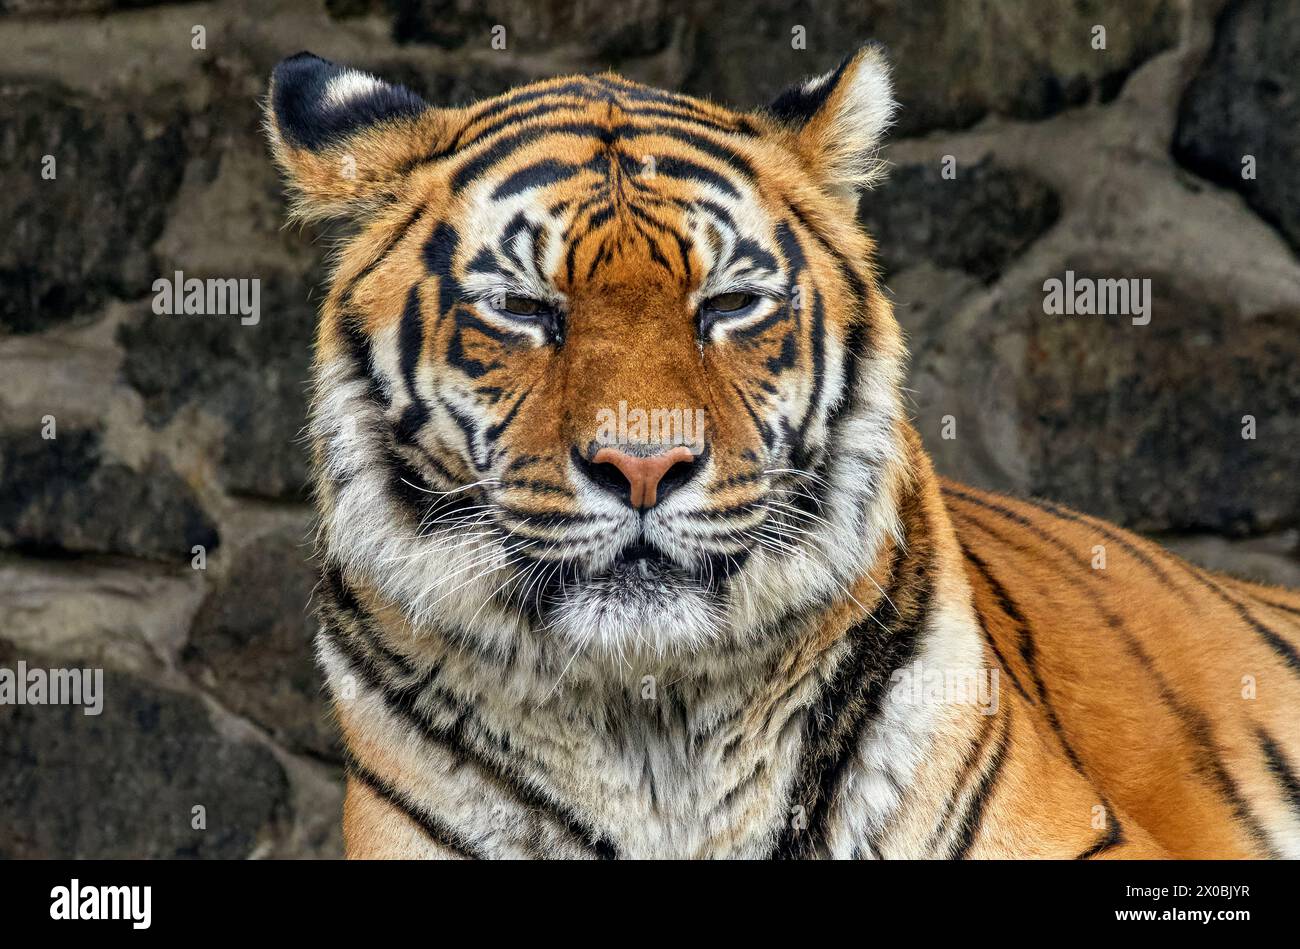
784,637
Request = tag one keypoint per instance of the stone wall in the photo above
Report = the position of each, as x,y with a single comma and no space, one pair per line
177,433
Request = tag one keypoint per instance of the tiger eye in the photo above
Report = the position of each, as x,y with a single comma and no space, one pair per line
522,306
729,302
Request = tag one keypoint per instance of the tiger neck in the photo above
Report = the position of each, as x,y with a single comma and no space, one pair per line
867,742
779,731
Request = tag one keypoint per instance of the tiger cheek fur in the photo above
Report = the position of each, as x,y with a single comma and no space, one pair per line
542,639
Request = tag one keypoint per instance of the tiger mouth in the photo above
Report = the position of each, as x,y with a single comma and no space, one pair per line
640,562
641,553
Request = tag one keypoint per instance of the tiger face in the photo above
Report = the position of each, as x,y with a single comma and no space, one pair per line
603,370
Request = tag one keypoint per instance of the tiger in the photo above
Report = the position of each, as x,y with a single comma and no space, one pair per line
546,635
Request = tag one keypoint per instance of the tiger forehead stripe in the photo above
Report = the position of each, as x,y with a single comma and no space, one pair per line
644,111
611,90
502,148
549,107
547,171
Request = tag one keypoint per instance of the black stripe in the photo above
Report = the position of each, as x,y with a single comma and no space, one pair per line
434,828
439,257
1281,769
342,599
673,166
504,146
638,212
1113,837
852,698
857,286
817,342
1279,606
403,703
974,816
468,426
765,431
572,95
1115,833
811,496
410,341
860,332
357,341
393,240
683,169
984,628
495,432
1028,652
973,757
684,250
680,115
749,331
545,518
467,321
402,468
711,147
540,487
361,355
675,105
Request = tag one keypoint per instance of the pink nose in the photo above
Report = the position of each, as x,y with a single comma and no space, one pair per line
643,474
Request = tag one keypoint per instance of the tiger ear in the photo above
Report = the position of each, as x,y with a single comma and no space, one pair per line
839,118
341,136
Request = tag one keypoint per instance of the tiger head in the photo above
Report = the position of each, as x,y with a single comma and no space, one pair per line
602,369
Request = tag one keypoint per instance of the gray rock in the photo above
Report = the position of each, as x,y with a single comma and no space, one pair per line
253,378
83,237
64,496
230,225
123,784
607,30
133,615
251,643
1246,101
65,7
1273,559
954,61
441,86
1143,424
347,9
1020,59
976,222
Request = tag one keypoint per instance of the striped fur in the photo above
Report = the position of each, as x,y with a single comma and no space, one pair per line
510,682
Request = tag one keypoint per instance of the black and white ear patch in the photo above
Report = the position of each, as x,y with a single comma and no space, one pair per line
841,116
801,102
316,102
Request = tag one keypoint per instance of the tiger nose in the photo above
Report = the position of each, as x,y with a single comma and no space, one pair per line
643,476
